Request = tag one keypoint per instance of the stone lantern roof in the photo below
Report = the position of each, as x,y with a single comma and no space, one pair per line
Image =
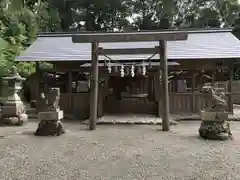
14,75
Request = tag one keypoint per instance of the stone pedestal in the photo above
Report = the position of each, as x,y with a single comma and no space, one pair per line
14,121
50,123
13,109
50,119
214,126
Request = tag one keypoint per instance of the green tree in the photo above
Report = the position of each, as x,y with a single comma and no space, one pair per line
236,30
19,25
165,14
20,21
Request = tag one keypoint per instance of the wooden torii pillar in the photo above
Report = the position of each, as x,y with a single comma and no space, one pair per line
94,87
230,86
165,98
96,38
37,92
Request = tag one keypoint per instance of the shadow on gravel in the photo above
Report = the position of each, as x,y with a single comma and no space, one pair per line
160,130
192,137
29,133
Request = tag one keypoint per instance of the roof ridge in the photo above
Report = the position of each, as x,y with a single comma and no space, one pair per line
190,31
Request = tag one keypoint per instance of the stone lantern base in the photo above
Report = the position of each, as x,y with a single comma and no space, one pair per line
13,111
14,121
214,126
50,123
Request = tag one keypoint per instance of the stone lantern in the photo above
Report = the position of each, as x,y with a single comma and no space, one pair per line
13,109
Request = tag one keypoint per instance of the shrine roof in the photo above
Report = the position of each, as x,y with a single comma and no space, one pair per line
200,44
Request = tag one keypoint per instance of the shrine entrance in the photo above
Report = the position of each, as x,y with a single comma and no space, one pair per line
129,95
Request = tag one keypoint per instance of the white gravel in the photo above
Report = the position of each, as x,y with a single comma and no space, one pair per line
116,152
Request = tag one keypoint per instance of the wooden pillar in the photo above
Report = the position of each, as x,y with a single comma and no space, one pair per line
94,88
158,90
230,82
213,77
37,70
70,90
193,91
201,81
164,89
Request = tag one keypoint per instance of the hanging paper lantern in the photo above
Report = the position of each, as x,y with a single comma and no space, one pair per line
122,71
109,67
132,71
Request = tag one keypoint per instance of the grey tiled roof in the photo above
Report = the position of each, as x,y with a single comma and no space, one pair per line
199,45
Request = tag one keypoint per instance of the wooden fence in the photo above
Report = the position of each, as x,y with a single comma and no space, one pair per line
78,104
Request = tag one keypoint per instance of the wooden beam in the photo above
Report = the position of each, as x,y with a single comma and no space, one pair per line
164,89
130,37
94,88
128,51
80,69
213,76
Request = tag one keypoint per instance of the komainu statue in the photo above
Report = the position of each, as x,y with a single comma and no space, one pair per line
218,102
51,115
53,99
214,116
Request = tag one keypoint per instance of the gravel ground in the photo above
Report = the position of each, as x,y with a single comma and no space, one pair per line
132,152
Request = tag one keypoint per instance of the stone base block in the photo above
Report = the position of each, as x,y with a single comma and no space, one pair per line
52,128
12,110
208,115
50,115
222,116
214,116
14,121
215,130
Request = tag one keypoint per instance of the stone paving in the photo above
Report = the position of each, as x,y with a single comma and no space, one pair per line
131,119
118,152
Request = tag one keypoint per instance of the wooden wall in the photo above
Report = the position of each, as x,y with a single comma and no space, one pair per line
179,103
183,102
129,106
78,104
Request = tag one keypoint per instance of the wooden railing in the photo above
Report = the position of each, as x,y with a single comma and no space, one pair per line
193,102
78,104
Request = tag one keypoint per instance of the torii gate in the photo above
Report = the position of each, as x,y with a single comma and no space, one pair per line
162,37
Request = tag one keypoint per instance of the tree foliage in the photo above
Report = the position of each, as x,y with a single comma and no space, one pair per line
108,15
20,21
18,29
